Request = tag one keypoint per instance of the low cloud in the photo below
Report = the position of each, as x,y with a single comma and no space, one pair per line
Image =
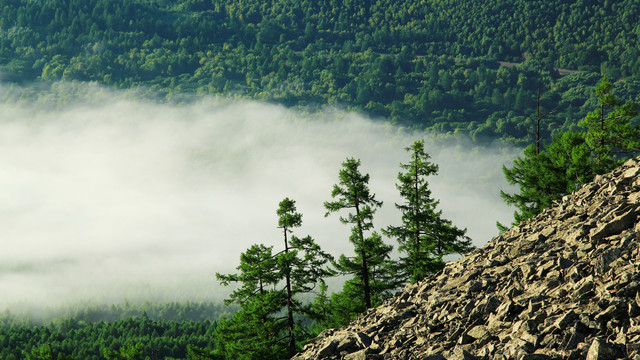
113,197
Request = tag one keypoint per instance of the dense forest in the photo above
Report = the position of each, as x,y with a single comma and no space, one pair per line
452,66
159,331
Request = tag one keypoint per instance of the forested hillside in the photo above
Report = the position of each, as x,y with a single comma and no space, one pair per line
69,339
154,331
424,64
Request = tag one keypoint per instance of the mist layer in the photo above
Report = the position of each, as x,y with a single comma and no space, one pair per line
117,198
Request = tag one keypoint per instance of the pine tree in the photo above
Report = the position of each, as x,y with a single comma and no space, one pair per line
258,274
382,274
270,284
45,352
287,219
196,353
573,158
424,236
254,331
609,131
542,178
302,265
352,194
125,353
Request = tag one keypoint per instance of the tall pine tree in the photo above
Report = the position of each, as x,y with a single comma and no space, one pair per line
382,274
371,268
253,332
287,219
270,285
424,236
609,131
544,177
302,265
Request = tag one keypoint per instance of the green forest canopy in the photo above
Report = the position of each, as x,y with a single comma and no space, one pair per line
423,64
165,331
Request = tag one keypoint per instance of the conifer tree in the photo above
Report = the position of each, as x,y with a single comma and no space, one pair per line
125,353
302,265
544,177
382,274
254,331
270,284
573,158
609,131
258,274
352,194
424,236
45,352
287,219
196,353
40,353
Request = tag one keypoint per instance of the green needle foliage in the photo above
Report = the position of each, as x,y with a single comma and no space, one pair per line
255,331
371,268
270,286
424,236
287,219
609,131
44,352
422,64
383,278
564,166
125,353
573,158
302,265
257,274
117,331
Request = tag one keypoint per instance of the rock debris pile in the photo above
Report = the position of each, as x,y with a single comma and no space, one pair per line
563,285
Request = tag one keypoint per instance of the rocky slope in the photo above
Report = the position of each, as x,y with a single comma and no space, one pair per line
564,285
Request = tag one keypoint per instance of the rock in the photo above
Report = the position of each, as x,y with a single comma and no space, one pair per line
573,338
631,173
584,288
435,357
328,349
536,356
614,226
358,355
461,354
347,343
508,310
566,320
478,332
600,350
615,311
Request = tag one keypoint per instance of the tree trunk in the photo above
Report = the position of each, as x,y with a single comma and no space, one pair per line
538,124
365,266
290,324
415,212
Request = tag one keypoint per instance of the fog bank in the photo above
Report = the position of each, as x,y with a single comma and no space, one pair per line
110,198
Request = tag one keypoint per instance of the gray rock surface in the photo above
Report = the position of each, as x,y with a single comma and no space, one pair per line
563,285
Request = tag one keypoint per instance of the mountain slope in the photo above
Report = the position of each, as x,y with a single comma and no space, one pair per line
564,285
423,64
